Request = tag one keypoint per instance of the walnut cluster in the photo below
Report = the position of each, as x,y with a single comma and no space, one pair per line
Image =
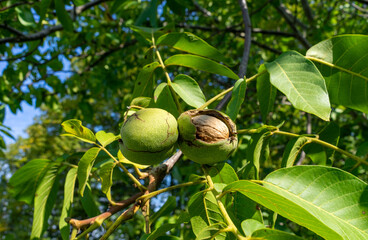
210,129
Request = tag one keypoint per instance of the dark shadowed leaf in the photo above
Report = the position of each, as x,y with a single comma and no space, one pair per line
200,63
191,43
143,86
166,209
237,99
204,211
106,171
273,234
266,93
63,16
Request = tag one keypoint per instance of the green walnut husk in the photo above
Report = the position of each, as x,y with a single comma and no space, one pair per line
206,136
148,136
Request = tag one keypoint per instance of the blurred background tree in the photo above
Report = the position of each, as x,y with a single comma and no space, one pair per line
79,59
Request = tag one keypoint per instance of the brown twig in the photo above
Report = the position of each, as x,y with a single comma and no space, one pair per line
247,42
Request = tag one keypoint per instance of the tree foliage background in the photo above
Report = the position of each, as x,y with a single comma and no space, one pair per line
80,59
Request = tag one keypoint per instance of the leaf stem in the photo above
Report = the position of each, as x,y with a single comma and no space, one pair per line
134,179
311,139
155,193
325,144
230,225
215,98
206,104
169,83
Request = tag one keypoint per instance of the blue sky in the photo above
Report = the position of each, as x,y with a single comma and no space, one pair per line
20,121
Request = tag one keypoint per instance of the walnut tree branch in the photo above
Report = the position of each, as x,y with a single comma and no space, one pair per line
247,42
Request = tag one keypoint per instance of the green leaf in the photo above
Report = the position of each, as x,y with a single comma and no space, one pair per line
301,82
166,209
147,32
143,86
74,128
141,101
250,225
256,149
237,99
63,16
106,171
209,231
222,174
44,201
88,203
68,200
162,230
85,166
266,93
328,201
126,161
240,208
25,16
200,63
187,88
342,61
204,211
164,99
292,151
24,182
106,138
273,234
45,4
191,43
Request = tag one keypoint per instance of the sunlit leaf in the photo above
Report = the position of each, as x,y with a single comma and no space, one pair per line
85,166
342,61
187,88
88,203
222,174
106,138
74,128
301,82
328,201
164,99
292,151
44,200
204,211
24,182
